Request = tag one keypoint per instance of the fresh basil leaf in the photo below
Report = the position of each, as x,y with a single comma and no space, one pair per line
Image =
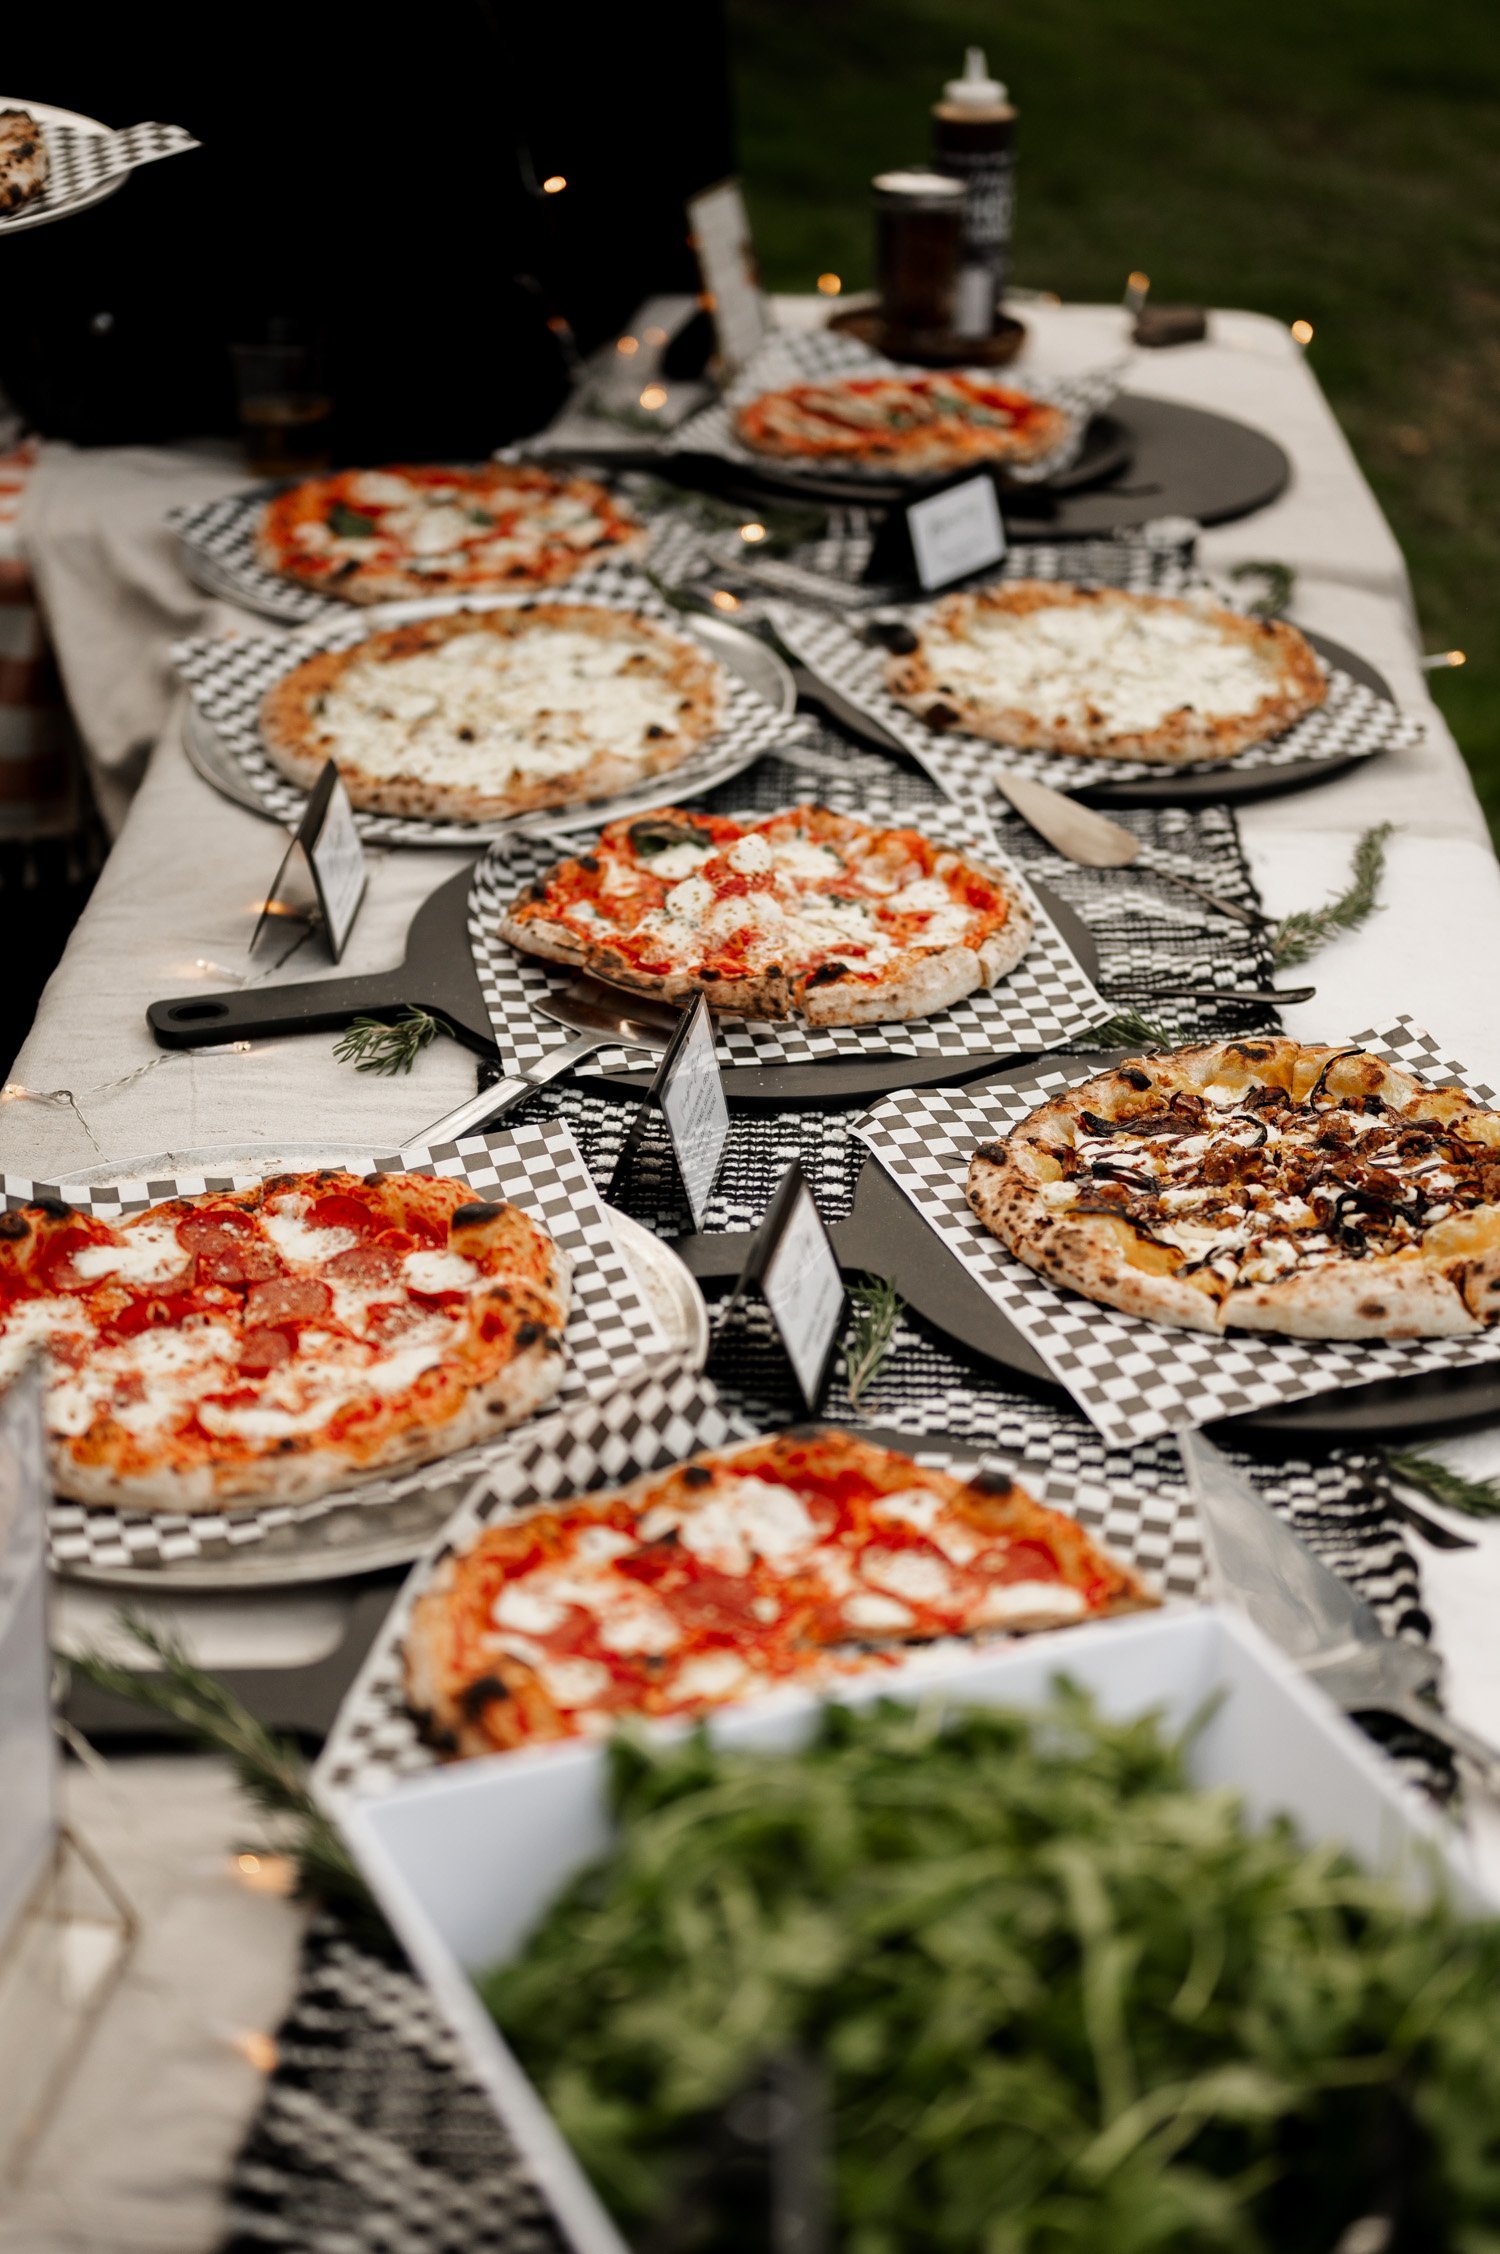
349,524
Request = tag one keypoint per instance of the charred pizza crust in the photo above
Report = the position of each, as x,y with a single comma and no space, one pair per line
906,423
458,744
771,1563
279,1342
23,160
374,536
1047,667
763,946
1259,1185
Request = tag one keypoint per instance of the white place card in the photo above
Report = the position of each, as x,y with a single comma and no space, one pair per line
688,1091
721,235
793,1265
955,532
28,1766
329,848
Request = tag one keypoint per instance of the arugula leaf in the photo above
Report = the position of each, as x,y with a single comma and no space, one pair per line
348,524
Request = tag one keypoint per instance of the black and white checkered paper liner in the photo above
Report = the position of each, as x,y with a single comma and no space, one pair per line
228,675
610,1329
375,1744
80,163
219,554
798,356
1133,1378
1045,1001
1353,723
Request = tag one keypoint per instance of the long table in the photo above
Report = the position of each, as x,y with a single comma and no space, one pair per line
173,910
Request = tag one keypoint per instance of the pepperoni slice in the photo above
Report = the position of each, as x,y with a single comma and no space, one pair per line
288,1299
340,1211
367,1264
264,1350
228,1248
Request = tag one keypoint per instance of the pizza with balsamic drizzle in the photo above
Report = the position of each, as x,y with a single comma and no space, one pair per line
909,424
278,1342
1102,673
375,536
805,912
788,1560
1259,1185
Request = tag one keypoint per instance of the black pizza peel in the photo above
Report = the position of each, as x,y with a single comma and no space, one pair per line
437,973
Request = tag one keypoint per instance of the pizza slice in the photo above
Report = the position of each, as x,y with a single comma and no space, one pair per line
278,1342
911,424
802,913
789,1560
23,160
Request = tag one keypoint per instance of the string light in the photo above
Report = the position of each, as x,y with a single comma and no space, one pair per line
723,600
274,908
266,1874
1434,664
829,284
752,533
653,396
1137,287
655,336
1302,333
554,184
257,2047
11,1090
206,967
627,345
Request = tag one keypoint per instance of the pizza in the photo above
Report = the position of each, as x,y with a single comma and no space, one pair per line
23,160
802,913
1259,1185
373,536
278,1342
904,423
1104,674
788,1560
478,714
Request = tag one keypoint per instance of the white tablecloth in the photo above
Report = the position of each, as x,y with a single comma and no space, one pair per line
180,890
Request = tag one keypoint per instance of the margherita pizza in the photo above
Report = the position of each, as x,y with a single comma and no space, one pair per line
280,1341
783,1561
909,424
373,536
23,160
478,714
1104,674
1259,1185
804,912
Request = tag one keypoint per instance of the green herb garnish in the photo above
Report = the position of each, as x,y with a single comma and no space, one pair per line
1280,584
1055,2000
372,1044
1306,930
1127,1029
877,1308
1479,1497
348,524
270,1770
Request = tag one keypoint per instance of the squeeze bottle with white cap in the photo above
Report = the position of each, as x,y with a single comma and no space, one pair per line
973,140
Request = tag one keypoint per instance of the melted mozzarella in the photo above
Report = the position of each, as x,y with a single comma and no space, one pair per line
709,1674
672,862
1096,663
866,1609
524,1605
147,1253
640,1627
908,1573
1016,1600
482,707
742,1519
439,1271
296,1239
572,1682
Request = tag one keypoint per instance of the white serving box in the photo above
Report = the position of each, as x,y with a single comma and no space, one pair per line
464,1860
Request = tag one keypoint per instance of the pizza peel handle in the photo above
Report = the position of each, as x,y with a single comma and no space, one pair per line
437,974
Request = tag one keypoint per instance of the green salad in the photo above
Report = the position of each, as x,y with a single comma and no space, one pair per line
1057,1999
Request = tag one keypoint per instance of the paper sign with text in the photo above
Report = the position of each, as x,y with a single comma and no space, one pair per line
956,532
330,849
794,1267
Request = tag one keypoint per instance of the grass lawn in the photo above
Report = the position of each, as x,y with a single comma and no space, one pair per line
1336,161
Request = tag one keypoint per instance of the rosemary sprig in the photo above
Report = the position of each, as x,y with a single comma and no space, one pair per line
1127,1029
1480,1498
1307,929
269,1770
1280,583
877,1316
374,1045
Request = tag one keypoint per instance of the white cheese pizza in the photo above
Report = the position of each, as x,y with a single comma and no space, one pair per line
278,1342
372,536
477,714
1259,1185
1103,674
23,160
805,912
784,1561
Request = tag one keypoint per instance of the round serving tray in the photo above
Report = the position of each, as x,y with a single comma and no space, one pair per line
354,1536
43,215
746,655
1166,460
